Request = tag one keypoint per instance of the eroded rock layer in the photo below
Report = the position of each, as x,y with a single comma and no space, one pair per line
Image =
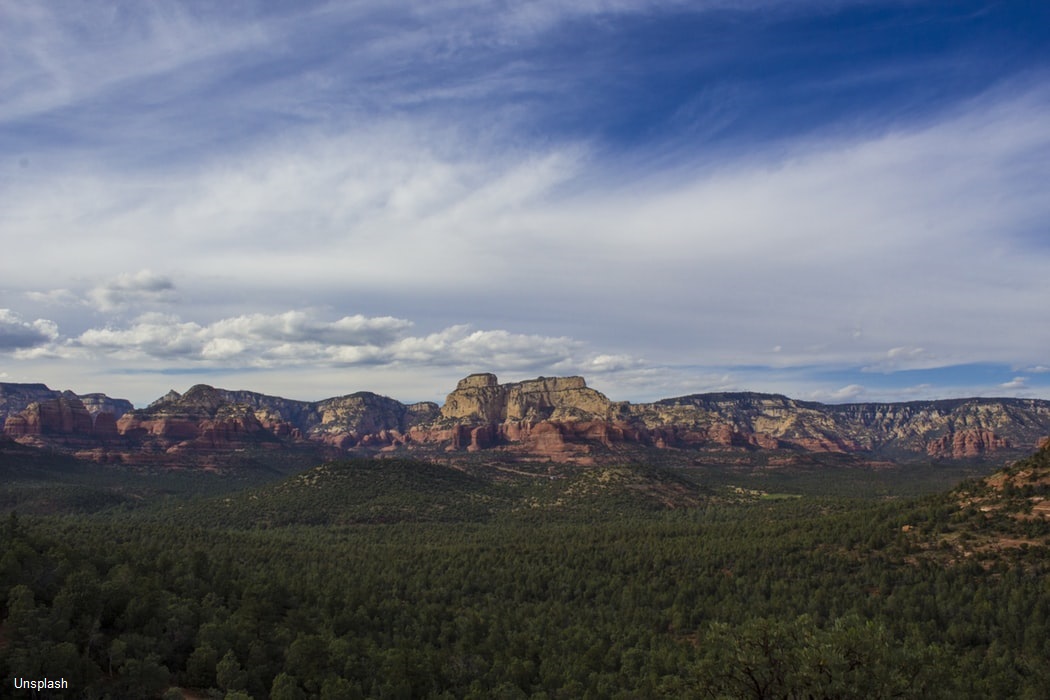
556,418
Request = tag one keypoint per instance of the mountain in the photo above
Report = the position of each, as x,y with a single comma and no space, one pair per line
944,429
563,418
210,418
38,416
558,419
15,398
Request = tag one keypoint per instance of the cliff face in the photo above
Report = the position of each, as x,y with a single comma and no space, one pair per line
952,429
97,404
33,414
563,418
364,419
15,398
767,421
558,418
65,415
206,418
203,419
948,429
481,398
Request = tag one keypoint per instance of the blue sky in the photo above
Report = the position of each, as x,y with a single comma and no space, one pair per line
835,200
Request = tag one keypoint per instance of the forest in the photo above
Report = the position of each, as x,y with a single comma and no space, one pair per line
403,579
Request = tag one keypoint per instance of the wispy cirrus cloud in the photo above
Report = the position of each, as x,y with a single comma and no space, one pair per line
65,54
873,245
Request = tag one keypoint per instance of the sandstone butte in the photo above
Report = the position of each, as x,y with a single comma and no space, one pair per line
552,418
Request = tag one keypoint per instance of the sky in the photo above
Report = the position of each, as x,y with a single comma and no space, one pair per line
836,200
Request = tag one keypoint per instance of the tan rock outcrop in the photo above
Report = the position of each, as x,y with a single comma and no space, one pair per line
16,427
558,399
478,397
481,398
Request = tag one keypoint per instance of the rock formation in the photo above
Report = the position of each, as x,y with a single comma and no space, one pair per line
15,398
97,404
63,421
33,414
966,443
557,418
481,398
202,419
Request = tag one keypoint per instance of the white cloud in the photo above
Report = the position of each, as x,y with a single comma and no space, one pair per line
919,390
301,326
298,338
152,335
133,289
222,349
612,363
1016,383
848,393
904,357
461,346
55,297
17,334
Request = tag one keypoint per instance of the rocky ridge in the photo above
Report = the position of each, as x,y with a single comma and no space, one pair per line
36,415
555,418
1003,515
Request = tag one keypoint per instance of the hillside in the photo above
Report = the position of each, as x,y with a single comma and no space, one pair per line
1020,492
408,490
1008,509
1003,516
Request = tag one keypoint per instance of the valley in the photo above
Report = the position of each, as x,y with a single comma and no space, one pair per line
524,540
388,576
